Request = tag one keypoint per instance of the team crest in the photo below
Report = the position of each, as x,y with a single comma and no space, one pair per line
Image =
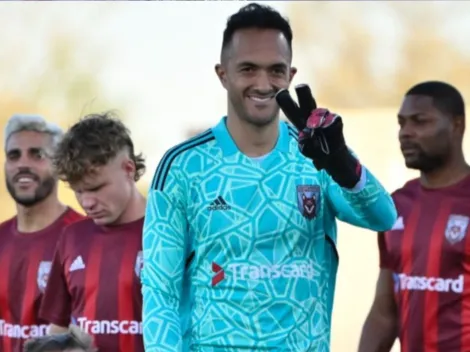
139,263
308,198
456,228
43,274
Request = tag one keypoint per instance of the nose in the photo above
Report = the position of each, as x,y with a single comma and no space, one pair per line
263,82
406,132
24,162
87,201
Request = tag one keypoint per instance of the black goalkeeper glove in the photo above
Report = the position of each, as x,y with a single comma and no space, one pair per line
320,136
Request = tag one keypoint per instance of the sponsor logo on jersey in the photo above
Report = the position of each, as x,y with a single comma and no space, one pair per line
245,272
109,327
308,199
405,282
17,331
456,228
44,269
219,204
139,263
219,273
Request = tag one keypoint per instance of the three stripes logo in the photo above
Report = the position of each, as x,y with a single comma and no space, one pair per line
219,204
219,273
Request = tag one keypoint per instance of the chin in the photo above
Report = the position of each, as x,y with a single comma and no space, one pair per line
412,163
103,221
415,164
261,120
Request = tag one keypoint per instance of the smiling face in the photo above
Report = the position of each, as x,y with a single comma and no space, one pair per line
255,66
28,168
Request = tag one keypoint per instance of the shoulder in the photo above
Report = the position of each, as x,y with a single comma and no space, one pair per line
191,145
71,215
462,188
178,158
293,133
293,138
7,225
295,154
81,227
409,190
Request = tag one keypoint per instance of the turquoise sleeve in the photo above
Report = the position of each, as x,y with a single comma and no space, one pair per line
164,251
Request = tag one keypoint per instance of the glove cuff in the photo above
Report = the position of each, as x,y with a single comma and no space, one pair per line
342,166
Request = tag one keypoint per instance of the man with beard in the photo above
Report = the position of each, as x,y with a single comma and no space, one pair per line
423,290
240,229
28,240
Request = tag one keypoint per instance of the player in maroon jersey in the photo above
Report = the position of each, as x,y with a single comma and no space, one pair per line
95,276
28,240
423,290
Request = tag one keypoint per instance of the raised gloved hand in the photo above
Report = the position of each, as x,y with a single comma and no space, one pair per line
320,136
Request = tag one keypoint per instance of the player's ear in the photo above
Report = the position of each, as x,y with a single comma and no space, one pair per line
221,73
129,168
459,124
293,71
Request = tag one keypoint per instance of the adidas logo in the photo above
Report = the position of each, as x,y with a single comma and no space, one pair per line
77,264
219,204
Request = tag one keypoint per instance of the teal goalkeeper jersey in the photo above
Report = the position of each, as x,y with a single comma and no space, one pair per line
239,254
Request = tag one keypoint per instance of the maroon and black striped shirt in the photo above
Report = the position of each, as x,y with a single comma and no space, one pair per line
428,250
95,284
25,262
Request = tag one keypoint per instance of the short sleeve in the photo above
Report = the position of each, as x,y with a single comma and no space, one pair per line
56,303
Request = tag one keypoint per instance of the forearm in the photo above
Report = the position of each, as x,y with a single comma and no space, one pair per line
371,204
378,335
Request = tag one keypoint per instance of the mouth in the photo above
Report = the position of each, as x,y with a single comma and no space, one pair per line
409,151
95,215
261,99
24,180
409,148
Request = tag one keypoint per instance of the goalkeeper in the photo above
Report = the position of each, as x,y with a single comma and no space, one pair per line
239,235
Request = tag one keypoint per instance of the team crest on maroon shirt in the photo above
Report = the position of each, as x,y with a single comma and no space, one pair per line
308,198
43,274
139,263
456,228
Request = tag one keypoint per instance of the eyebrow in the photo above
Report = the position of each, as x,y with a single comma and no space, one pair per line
252,64
29,149
401,116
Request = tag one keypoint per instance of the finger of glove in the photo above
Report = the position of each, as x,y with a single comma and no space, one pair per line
330,119
308,145
317,118
304,134
290,108
306,100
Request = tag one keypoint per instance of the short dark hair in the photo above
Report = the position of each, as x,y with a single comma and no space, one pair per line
93,142
256,16
446,98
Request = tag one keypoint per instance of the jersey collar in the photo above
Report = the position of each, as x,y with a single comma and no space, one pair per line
225,141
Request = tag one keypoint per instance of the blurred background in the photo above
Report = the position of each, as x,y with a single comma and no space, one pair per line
154,63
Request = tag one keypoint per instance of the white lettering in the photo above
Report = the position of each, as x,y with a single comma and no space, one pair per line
405,282
110,327
258,272
17,331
